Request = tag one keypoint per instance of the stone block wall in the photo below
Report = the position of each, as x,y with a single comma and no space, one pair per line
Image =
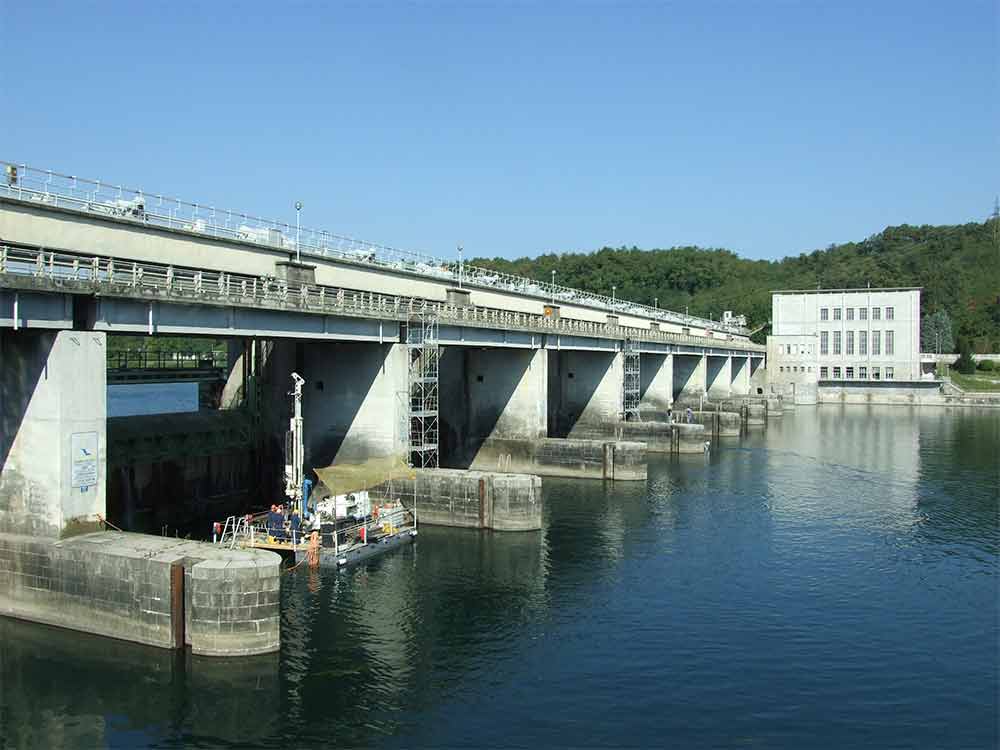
564,457
473,499
119,585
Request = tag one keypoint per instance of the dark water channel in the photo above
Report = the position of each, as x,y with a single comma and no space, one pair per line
832,582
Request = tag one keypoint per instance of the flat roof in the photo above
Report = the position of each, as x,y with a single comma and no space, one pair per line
857,289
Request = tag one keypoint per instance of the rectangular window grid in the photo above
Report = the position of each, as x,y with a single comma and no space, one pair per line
824,373
862,313
876,313
889,373
850,313
889,342
850,342
836,373
824,313
836,342
889,313
824,342
836,313
876,343
863,343
863,373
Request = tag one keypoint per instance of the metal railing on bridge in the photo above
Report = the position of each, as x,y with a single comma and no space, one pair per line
144,359
163,282
96,197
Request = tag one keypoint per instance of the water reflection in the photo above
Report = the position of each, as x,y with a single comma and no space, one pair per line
837,572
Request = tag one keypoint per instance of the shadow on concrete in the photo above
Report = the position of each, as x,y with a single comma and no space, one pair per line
339,377
685,366
474,395
23,361
573,381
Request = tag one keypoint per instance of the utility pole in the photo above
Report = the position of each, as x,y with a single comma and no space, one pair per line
553,286
461,267
298,210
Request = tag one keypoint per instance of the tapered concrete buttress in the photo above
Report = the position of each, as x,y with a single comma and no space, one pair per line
490,394
689,372
656,386
53,441
741,376
718,377
354,401
585,392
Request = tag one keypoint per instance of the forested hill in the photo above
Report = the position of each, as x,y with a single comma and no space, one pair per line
957,266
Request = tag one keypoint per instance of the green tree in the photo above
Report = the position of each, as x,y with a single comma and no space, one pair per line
936,333
965,364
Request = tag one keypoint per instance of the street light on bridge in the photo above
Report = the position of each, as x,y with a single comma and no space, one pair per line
298,210
553,286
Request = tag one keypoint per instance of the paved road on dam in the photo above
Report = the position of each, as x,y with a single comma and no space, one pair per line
831,582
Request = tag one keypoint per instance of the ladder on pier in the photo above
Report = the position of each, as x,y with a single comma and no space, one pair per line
424,358
631,382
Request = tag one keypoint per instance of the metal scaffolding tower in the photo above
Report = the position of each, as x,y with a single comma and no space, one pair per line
424,359
631,382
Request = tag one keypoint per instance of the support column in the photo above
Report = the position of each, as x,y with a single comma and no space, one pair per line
719,377
491,395
657,382
585,389
53,441
689,372
354,402
741,376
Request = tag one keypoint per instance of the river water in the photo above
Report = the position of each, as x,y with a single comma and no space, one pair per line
831,582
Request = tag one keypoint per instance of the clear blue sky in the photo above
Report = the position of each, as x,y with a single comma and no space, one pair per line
769,128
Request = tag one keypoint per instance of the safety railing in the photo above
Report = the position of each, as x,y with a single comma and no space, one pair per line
133,278
94,196
143,359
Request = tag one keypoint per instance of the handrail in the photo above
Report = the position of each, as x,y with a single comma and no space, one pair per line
135,204
144,278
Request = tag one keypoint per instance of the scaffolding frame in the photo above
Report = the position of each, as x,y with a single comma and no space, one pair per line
631,382
424,358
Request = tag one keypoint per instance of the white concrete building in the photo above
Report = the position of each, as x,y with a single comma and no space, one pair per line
838,337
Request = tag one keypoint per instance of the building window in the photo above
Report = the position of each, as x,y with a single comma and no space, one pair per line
876,313
862,373
824,342
850,342
836,342
875,375
862,313
888,373
781,369
824,313
888,345
836,373
850,373
850,313
788,349
836,313
889,315
824,373
876,343
863,343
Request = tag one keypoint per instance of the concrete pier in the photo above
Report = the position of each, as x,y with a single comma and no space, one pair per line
656,387
689,377
53,441
718,377
153,590
565,457
473,499
584,392
664,437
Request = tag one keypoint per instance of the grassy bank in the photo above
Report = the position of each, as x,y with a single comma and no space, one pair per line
982,382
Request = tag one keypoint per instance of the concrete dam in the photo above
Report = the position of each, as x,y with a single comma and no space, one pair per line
482,382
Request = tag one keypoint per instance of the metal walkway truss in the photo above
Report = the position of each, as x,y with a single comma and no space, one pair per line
424,360
631,382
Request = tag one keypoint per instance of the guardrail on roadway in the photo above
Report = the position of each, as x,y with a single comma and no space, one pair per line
108,276
119,202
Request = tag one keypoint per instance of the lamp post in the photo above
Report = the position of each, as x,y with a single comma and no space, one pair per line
298,211
460,266
553,286
613,290
656,302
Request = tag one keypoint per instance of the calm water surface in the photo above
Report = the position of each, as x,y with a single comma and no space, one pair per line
832,582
